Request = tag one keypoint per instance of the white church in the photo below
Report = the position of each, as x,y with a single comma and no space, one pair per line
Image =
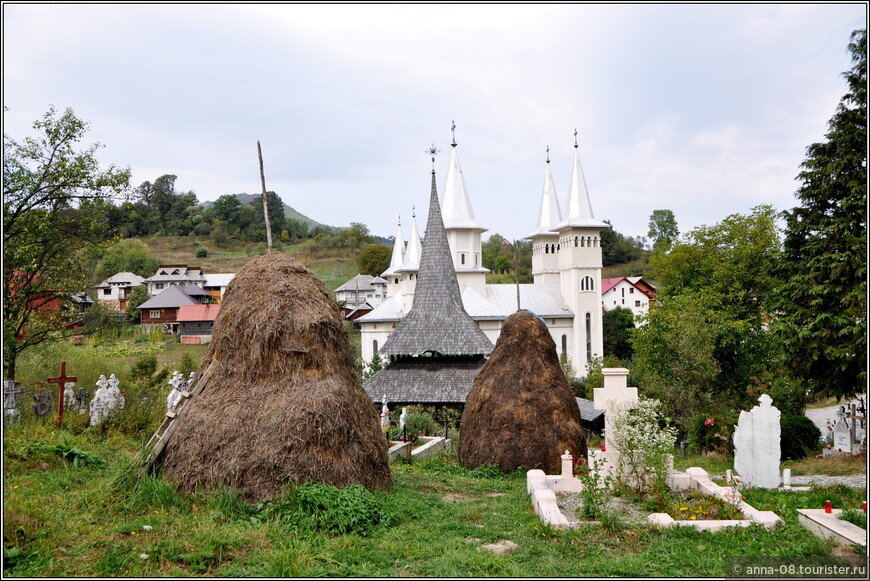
566,264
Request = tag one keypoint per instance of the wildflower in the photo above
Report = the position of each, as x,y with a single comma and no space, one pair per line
684,508
132,532
692,517
16,486
708,422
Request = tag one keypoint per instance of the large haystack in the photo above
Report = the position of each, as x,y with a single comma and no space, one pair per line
521,412
281,401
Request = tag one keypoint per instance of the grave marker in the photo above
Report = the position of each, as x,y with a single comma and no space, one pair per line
615,390
11,390
81,397
61,381
756,445
42,407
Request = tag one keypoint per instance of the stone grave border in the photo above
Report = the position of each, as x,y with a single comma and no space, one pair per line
829,526
543,488
435,445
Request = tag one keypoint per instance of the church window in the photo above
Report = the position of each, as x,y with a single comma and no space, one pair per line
462,258
396,280
576,243
564,344
587,284
546,249
375,346
588,337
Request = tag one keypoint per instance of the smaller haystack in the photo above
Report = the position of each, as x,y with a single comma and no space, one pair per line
521,412
280,401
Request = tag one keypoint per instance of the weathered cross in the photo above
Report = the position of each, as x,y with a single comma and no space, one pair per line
42,407
11,391
61,380
81,397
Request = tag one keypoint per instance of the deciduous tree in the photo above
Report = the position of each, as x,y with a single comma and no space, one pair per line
52,210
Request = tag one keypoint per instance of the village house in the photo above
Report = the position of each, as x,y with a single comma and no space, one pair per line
216,284
195,323
163,308
633,293
566,265
115,290
173,275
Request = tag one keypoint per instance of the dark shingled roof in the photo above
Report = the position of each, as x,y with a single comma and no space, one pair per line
427,380
437,321
587,409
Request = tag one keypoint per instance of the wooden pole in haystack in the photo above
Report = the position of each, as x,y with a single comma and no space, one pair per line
265,200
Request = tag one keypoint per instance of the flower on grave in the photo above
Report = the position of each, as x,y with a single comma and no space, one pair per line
708,422
684,508
692,517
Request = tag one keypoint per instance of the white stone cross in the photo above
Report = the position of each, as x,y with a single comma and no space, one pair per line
615,390
756,445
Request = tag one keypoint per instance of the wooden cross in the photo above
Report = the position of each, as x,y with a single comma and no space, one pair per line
61,380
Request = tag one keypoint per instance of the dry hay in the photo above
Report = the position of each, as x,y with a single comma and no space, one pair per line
281,401
521,412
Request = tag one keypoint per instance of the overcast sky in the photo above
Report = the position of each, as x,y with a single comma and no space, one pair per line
702,109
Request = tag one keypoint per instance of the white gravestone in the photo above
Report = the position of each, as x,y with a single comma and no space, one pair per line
402,418
175,394
69,396
756,445
117,399
99,405
615,390
843,436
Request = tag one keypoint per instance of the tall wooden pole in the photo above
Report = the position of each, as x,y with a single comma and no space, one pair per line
265,200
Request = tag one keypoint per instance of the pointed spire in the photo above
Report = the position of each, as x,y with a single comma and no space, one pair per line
456,205
411,261
549,215
398,252
437,321
579,207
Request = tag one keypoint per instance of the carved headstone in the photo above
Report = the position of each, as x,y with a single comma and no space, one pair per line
42,407
756,445
107,399
11,390
175,394
69,396
82,397
842,436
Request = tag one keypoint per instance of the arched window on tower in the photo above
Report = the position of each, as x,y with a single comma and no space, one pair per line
375,347
576,242
588,337
587,284
564,344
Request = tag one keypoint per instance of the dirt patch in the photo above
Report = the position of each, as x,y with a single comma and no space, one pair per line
571,505
450,497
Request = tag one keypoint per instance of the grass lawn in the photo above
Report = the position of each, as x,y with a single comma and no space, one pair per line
99,519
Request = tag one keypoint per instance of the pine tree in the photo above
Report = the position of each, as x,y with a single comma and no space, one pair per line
820,311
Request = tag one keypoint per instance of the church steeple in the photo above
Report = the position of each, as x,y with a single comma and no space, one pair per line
579,207
545,261
549,214
437,322
456,205
414,249
398,252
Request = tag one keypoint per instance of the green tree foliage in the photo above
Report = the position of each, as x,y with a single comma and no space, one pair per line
663,230
617,248
374,259
704,341
129,255
168,211
501,256
137,296
54,206
821,307
616,327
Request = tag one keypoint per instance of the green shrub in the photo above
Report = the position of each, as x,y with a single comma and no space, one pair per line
799,437
200,252
334,511
711,432
421,423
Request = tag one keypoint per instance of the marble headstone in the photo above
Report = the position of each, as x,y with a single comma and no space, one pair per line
842,436
756,445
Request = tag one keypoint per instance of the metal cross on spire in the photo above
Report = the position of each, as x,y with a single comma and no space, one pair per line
575,138
548,154
453,132
433,152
